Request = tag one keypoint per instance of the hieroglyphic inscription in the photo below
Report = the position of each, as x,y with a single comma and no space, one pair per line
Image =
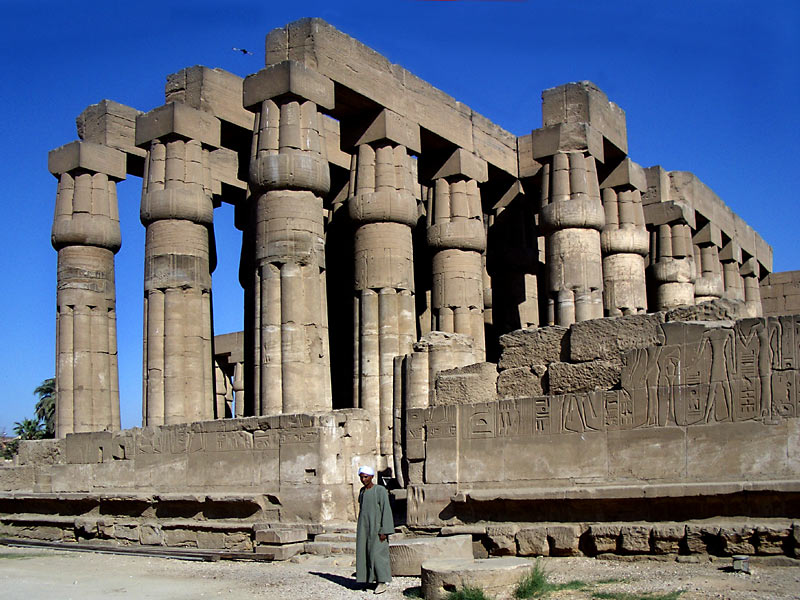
299,435
414,430
506,418
440,421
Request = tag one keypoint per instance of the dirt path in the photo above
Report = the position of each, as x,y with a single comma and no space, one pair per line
30,574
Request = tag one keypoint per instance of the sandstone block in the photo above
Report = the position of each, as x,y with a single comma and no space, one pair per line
667,537
495,576
288,77
150,534
407,555
567,137
612,337
738,539
521,382
605,536
702,538
388,125
565,378
89,156
635,538
211,90
796,538
773,537
125,533
283,552
464,164
280,536
532,541
564,540
85,527
110,124
627,173
714,310
527,347
467,385
40,452
21,478
502,539
178,119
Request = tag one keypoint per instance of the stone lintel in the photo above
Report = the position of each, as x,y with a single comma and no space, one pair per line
288,78
657,179
566,137
662,213
230,344
110,124
176,118
627,174
225,169
526,164
514,190
750,267
584,102
336,156
731,252
708,235
763,252
465,164
214,91
89,156
388,125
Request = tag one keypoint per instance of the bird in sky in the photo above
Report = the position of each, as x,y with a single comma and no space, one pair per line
242,50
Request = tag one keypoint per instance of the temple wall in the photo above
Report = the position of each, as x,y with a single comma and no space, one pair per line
780,293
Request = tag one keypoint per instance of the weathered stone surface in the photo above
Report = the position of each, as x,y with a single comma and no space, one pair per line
495,576
407,555
567,378
635,538
150,534
714,310
502,539
702,538
612,337
532,541
521,382
280,536
667,537
527,347
605,536
738,538
773,537
282,552
467,385
40,452
564,539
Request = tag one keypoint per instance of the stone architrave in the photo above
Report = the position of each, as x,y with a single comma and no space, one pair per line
571,218
383,208
289,175
624,241
177,211
457,237
86,235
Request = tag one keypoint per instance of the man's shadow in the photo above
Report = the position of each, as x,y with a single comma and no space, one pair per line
348,582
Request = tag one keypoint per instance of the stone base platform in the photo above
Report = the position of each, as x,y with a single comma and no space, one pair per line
407,555
497,577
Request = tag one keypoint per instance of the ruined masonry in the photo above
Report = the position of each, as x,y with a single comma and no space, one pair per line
544,347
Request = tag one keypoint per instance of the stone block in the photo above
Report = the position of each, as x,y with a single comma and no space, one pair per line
774,537
125,532
280,536
288,78
528,347
713,310
567,137
283,552
180,538
703,538
179,119
667,537
652,454
532,541
502,539
627,174
521,382
14,479
389,125
605,536
40,452
111,124
467,385
527,165
635,538
497,577
566,378
464,164
612,337
494,144
150,534
666,212
213,91
86,527
89,156
564,540
738,538
407,555
584,102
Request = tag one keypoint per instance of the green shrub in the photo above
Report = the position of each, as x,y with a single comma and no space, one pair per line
467,593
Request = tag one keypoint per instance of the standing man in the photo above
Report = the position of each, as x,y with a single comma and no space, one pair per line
375,523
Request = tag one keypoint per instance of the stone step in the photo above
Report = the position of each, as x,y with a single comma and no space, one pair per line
408,554
329,548
336,537
497,577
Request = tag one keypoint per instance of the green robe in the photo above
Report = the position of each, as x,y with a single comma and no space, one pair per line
374,517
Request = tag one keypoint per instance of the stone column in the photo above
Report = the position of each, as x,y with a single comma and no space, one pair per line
624,241
383,207
751,271
731,257
673,269
86,235
708,284
457,237
288,177
571,217
177,211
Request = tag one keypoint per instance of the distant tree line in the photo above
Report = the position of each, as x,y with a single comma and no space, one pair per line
41,426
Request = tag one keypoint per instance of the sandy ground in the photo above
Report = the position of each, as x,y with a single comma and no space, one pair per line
30,574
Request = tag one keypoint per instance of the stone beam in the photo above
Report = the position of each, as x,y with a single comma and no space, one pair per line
87,156
112,124
353,65
213,91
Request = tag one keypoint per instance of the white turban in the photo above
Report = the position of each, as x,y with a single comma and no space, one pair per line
366,471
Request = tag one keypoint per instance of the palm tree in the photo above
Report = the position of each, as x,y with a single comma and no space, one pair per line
46,406
29,429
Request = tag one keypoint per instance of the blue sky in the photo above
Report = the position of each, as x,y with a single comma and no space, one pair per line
708,86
